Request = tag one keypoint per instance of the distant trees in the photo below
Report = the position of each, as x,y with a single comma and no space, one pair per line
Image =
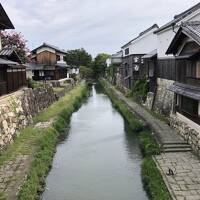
15,40
99,65
78,57
88,68
86,72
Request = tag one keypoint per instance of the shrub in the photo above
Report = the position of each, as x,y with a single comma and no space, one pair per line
140,90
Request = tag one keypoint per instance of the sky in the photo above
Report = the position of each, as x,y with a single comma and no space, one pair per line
99,26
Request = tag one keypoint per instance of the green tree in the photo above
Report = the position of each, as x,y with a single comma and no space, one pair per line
86,72
99,64
17,42
78,57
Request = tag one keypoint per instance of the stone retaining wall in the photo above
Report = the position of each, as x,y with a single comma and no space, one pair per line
191,135
164,98
18,111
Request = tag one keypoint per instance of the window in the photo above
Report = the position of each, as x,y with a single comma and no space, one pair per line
127,51
198,70
136,59
57,57
193,70
189,106
41,73
136,68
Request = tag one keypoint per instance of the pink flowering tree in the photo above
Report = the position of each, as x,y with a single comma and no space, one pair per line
16,40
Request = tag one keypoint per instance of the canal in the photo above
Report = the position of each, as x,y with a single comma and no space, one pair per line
100,158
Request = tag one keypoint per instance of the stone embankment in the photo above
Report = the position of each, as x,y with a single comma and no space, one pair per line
17,111
179,167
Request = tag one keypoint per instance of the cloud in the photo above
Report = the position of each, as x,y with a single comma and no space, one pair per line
97,25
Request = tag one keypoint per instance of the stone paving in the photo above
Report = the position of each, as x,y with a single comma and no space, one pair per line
163,132
13,174
185,183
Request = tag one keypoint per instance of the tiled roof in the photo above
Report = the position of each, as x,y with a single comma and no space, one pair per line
179,17
50,46
191,29
6,52
141,34
150,54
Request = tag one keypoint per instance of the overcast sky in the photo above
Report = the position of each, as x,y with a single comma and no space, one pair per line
96,25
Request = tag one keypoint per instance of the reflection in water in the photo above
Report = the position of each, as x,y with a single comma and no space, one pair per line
100,160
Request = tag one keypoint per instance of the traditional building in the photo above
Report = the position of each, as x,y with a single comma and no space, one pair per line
186,48
133,67
185,117
165,67
48,63
12,73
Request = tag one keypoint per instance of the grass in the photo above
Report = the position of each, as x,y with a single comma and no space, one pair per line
62,111
148,144
151,176
134,123
40,144
153,181
56,108
58,90
2,196
24,144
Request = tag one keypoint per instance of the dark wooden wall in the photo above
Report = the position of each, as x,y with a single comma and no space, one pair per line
166,69
128,74
46,57
16,78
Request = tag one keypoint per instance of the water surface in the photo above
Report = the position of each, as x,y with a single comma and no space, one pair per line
99,160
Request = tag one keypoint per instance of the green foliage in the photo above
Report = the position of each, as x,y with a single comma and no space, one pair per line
86,72
111,72
2,196
62,110
153,181
151,176
134,123
58,90
140,90
56,108
78,57
99,65
40,143
148,144
33,84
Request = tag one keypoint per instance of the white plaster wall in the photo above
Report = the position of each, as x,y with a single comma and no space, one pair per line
61,57
164,40
143,45
165,37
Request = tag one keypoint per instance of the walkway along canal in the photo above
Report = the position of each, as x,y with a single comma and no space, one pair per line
99,160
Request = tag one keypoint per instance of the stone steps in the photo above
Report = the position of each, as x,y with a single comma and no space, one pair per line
176,147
